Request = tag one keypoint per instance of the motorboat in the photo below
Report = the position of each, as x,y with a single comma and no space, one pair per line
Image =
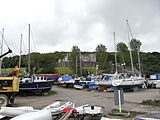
154,80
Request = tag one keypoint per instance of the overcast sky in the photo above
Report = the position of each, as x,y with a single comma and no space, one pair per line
57,25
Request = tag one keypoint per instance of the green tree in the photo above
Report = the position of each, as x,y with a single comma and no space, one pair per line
44,63
101,56
135,45
74,58
122,47
123,53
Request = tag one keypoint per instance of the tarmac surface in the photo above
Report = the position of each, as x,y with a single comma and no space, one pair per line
132,100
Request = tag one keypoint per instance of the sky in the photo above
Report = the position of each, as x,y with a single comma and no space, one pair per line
58,25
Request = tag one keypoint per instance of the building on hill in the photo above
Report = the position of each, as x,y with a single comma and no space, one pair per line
64,62
88,60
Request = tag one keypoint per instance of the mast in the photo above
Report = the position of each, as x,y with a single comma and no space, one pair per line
1,50
29,57
115,49
128,29
80,63
76,66
20,52
139,61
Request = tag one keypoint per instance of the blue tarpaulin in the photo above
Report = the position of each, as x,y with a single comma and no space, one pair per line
91,84
66,77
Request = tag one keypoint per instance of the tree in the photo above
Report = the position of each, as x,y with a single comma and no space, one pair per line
122,47
74,58
135,45
101,56
123,53
44,63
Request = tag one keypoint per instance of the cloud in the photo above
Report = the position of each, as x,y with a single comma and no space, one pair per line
58,25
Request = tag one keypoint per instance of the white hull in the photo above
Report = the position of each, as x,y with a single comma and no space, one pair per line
154,80
132,81
158,85
40,115
80,87
58,106
67,82
93,110
15,111
54,108
104,118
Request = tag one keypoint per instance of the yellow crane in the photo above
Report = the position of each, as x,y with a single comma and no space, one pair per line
9,86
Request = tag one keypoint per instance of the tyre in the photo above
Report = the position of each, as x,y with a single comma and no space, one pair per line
3,100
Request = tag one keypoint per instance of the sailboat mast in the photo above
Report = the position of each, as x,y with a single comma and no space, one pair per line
76,65
115,49
29,57
20,52
1,50
130,47
80,63
139,61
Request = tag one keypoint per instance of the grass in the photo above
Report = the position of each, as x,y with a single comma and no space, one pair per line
50,92
64,70
68,70
60,70
151,102
9,70
90,69
124,113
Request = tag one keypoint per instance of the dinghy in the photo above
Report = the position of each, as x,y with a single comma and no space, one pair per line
40,115
93,110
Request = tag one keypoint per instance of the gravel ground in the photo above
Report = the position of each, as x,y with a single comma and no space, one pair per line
105,99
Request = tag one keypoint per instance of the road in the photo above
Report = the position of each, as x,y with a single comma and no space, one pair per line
105,99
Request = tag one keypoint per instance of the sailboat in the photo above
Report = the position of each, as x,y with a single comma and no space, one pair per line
121,79
27,84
